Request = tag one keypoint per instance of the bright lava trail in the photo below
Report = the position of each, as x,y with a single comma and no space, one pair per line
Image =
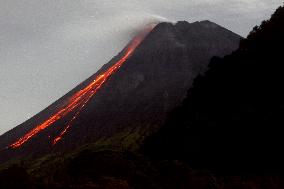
77,102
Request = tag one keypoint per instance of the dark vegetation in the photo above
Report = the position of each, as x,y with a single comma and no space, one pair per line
109,169
232,119
229,124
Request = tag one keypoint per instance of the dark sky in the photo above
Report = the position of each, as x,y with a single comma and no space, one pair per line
49,46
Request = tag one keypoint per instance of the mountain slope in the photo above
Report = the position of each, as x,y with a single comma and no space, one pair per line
231,121
132,102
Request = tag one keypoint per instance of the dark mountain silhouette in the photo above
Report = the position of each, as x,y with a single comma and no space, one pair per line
133,102
225,134
231,121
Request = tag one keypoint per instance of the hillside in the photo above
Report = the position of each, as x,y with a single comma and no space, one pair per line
132,102
231,121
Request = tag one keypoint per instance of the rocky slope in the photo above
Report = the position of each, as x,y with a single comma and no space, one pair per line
232,119
134,102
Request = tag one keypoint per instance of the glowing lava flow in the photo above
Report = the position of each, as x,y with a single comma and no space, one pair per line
80,99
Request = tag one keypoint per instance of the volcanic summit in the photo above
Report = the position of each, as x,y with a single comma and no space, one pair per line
129,97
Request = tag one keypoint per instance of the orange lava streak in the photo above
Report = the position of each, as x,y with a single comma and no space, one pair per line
81,98
59,137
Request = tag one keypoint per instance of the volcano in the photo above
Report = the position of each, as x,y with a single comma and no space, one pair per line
129,97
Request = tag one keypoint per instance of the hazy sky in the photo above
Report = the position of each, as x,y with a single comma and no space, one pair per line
49,46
